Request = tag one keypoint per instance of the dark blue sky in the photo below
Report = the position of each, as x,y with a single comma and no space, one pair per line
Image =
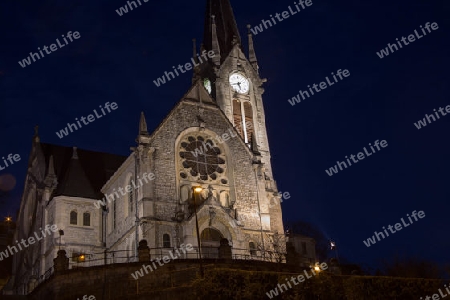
117,59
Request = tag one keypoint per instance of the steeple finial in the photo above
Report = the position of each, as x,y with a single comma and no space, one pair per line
51,167
143,125
143,136
36,134
251,50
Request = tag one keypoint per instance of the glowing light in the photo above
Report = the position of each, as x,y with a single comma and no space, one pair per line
198,189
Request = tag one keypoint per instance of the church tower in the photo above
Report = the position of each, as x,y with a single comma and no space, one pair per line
233,81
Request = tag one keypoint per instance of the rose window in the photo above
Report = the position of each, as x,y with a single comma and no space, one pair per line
202,158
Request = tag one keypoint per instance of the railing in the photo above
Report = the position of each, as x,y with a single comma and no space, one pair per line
208,252
45,276
127,256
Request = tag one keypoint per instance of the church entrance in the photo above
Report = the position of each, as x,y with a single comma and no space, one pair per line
210,241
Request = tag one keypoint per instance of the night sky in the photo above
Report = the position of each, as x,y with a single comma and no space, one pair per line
117,58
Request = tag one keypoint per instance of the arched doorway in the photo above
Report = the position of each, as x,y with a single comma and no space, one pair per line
210,241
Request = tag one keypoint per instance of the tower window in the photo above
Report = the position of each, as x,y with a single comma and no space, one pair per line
166,241
243,119
86,219
248,113
237,117
73,218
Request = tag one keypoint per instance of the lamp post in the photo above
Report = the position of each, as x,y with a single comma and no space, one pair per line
197,190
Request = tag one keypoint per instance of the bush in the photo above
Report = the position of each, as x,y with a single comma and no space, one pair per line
225,284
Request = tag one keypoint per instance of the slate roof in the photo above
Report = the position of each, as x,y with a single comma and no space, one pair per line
83,175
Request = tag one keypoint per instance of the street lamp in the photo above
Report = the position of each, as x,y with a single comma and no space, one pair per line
197,190
316,268
8,221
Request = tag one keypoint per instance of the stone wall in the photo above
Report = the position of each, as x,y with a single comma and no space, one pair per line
170,281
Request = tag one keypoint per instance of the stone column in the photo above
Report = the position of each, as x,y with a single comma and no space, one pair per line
225,250
61,262
144,251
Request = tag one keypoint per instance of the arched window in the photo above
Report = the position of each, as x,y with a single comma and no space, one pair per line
237,117
130,197
86,219
166,241
252,248
248,113
73,218
243,119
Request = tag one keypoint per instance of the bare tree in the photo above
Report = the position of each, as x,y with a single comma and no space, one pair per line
274,247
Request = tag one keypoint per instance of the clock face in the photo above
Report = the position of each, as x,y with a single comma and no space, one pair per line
207,84
239,83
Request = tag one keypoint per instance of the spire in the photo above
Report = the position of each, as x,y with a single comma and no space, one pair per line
226,27
143,125
51,167
51,179
251,50
143,136
215,42
195,74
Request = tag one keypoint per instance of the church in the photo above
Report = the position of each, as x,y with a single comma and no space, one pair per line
207,164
